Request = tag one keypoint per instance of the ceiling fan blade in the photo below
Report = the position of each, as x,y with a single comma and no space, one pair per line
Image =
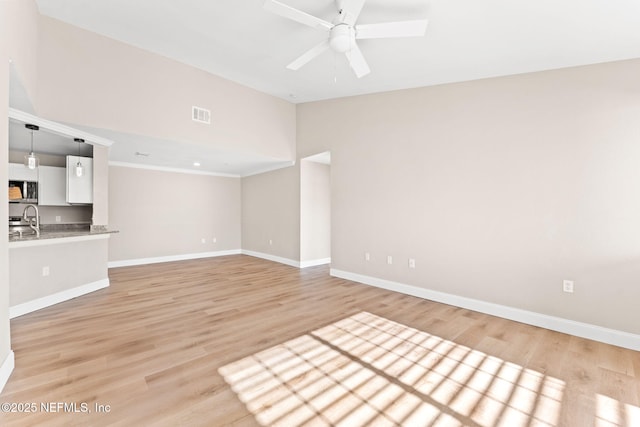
350,10
309,55
296,15
357,61
415,28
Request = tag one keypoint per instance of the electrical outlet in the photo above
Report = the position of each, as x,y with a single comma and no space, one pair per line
567,286
58,218
367,256
270,242
412,263
389,259
215,240
45,271
203,240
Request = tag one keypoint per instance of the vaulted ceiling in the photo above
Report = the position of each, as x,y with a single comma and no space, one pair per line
241,41
465,40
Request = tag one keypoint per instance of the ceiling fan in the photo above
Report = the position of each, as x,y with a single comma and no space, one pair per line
343,32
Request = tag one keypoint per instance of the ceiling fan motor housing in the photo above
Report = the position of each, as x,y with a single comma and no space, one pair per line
342,38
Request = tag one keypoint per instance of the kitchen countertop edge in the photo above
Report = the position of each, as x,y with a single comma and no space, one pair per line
57,237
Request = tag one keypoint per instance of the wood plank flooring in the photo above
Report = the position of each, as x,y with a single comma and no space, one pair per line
241,341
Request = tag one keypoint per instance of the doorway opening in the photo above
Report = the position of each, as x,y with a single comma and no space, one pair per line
315,210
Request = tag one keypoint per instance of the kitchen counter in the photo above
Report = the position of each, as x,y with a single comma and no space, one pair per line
51,234
63,263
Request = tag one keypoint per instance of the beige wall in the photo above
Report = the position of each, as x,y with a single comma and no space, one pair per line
315,211
20,33
100,208
161,214
271,212
18,36
95,81
71,265
499,188
286,213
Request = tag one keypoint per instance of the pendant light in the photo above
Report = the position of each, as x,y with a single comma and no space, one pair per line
79,167
31,161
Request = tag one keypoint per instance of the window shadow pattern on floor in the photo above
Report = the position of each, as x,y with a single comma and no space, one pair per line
368,370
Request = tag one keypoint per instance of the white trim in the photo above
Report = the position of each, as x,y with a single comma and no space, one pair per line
58,128
270,168
56,240
6,368
579,329
315,262
184,257
170,258
37,304
323,158
170,169
274,258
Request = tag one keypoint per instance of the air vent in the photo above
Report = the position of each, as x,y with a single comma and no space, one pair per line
200,115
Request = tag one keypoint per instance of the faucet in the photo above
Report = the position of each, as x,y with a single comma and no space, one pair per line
35,227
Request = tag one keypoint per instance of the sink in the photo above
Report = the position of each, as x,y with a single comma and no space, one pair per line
18,231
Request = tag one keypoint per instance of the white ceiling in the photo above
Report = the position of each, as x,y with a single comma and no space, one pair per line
466,39
148,152
242,42
144,152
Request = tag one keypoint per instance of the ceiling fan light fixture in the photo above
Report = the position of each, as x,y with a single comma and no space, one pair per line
342,38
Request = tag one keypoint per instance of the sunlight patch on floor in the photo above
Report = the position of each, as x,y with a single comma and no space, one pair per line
613,413
366,370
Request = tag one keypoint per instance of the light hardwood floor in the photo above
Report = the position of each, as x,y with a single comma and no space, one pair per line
242,341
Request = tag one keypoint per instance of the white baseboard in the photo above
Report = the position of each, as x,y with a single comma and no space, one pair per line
274,258
315,262
37,304
583,330
169,258
5,369
281,260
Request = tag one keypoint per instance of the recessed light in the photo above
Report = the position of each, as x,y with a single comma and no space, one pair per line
196,164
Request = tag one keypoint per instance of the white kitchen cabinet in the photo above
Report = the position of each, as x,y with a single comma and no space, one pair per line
52,186
19,172
79,188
